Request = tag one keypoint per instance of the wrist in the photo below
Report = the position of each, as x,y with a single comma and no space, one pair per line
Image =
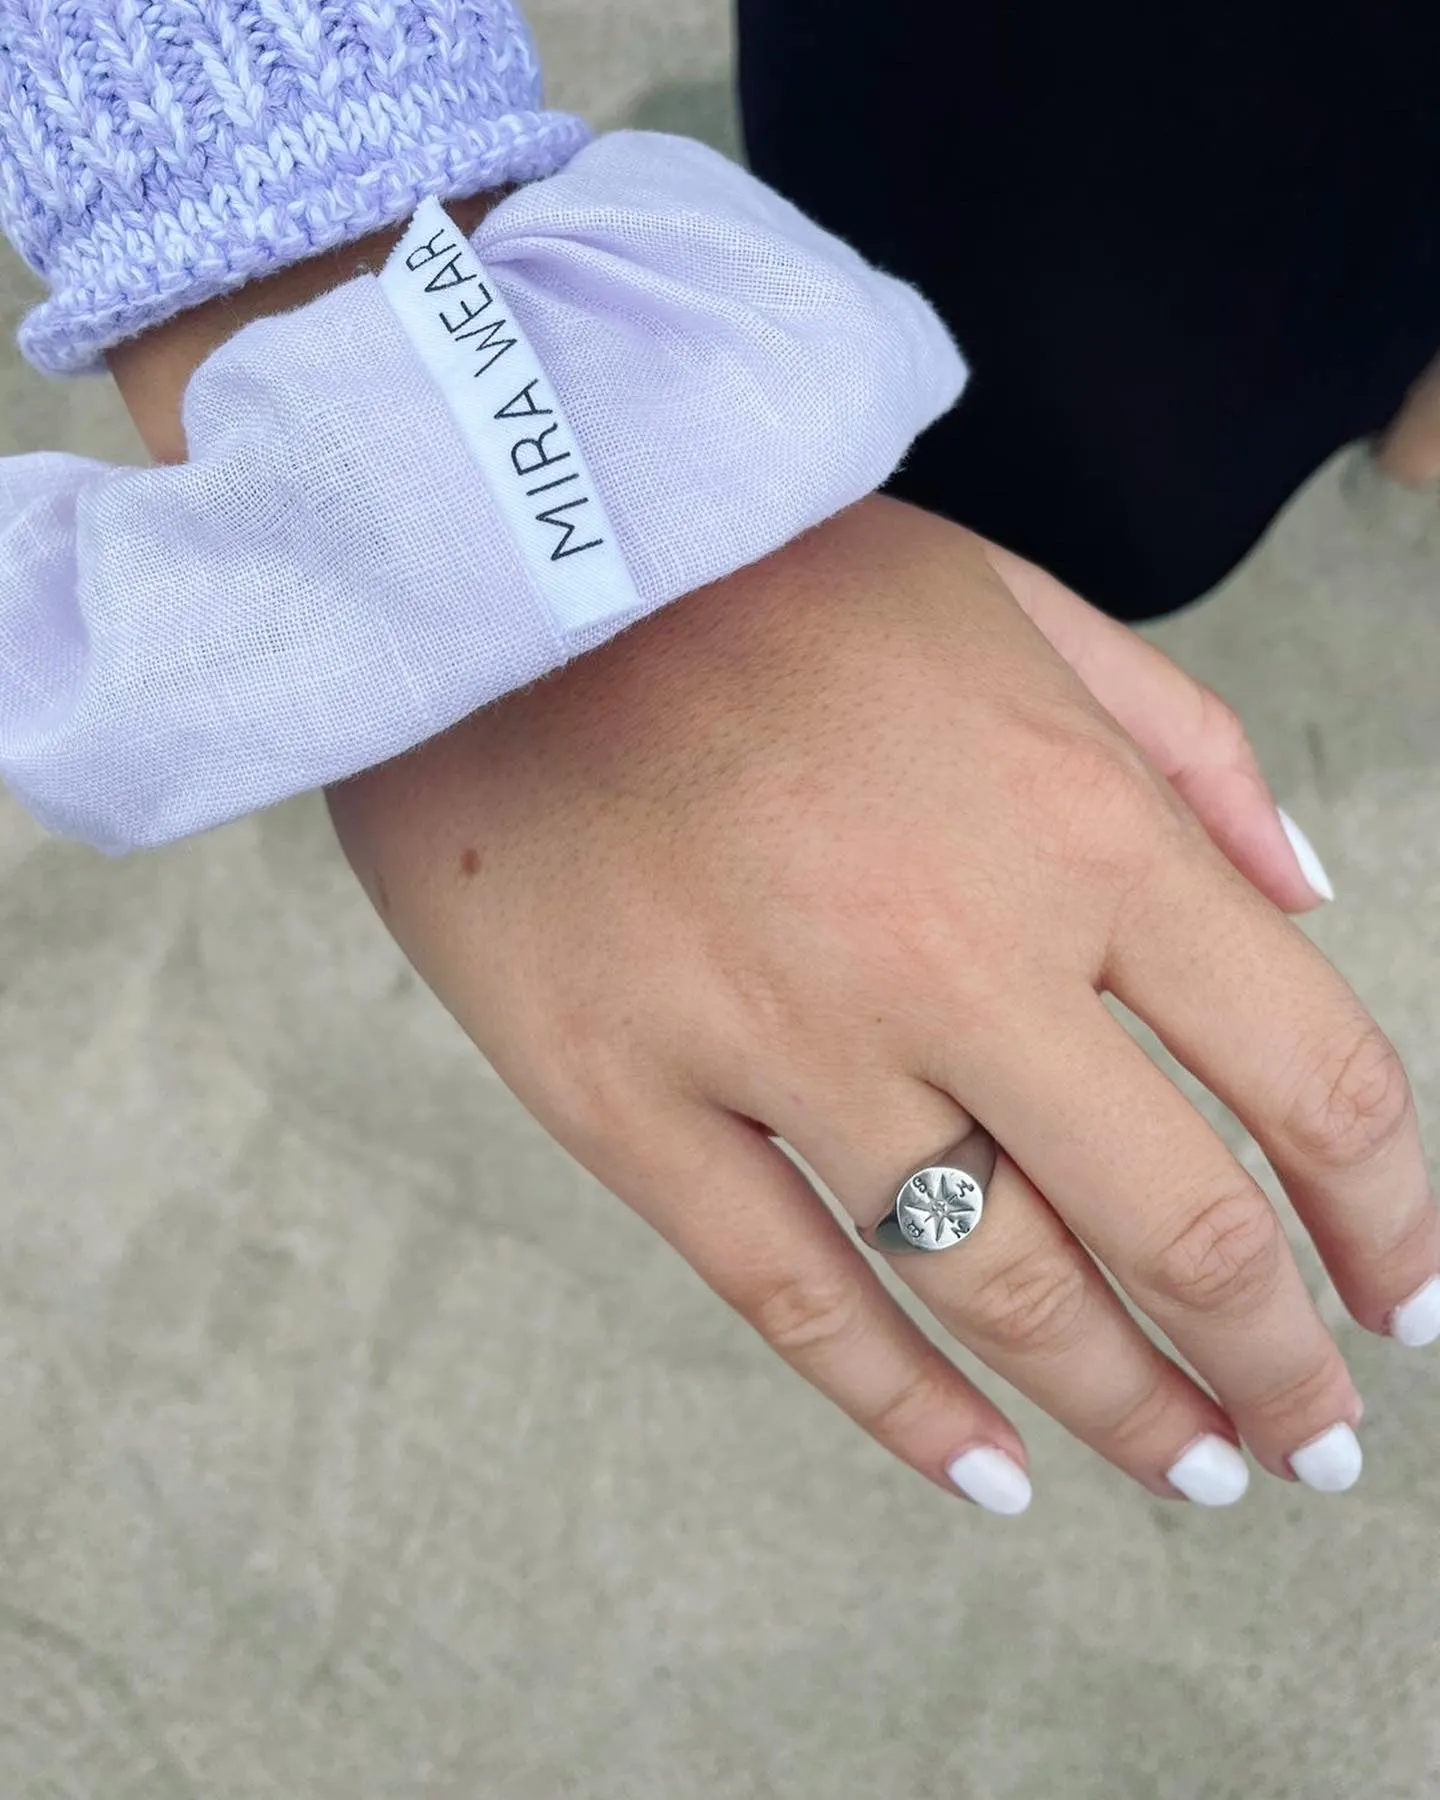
153,369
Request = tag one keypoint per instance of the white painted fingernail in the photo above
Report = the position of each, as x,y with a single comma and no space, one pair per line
1416,1322
1311,866
1212,1472
991,1480
1331,1462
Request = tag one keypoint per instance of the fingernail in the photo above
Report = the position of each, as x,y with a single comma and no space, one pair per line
1311,866
1331,1462
1212,1472
1416,1321
991,1480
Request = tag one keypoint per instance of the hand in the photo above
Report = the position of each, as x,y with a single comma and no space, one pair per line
842,852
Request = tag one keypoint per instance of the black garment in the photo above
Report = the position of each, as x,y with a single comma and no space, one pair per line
1188,250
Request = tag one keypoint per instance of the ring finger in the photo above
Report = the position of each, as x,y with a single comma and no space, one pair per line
1024,1296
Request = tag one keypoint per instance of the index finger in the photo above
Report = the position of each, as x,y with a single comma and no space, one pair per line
1251,1007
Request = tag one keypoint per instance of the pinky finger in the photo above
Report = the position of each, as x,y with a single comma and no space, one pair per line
751,1227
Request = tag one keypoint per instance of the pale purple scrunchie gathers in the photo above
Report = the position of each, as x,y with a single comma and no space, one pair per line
339,571
154,153
331,578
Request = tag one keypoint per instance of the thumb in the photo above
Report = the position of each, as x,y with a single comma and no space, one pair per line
1192,736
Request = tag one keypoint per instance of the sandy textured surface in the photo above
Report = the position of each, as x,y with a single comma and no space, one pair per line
318,1481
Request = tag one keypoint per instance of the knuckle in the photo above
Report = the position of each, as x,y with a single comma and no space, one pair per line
1096,806
761,1005
589,1094
922,1394
1354,1104
1141,1419
1106,774
798,1315
1033,1305
1226,1257
1319,1396
1409,1251
1222,729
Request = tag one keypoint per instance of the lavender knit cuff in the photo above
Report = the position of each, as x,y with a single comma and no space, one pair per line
155,153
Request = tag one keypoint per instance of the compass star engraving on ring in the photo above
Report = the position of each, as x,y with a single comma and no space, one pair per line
938,1208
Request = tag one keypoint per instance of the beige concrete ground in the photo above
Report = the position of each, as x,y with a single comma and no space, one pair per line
319,1482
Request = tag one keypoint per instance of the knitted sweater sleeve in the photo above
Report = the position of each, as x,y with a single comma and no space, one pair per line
435,483
155,153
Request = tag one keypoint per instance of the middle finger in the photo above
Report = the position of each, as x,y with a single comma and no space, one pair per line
1151,1188
1024,1296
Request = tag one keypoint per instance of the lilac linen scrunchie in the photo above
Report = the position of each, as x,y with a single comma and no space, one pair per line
439,481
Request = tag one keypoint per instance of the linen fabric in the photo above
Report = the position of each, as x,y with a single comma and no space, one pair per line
329,581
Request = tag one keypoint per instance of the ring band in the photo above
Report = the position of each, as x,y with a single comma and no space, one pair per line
940,1205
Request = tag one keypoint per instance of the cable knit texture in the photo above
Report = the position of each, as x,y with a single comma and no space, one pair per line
154,153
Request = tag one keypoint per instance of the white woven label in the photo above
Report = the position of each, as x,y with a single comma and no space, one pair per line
511,418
